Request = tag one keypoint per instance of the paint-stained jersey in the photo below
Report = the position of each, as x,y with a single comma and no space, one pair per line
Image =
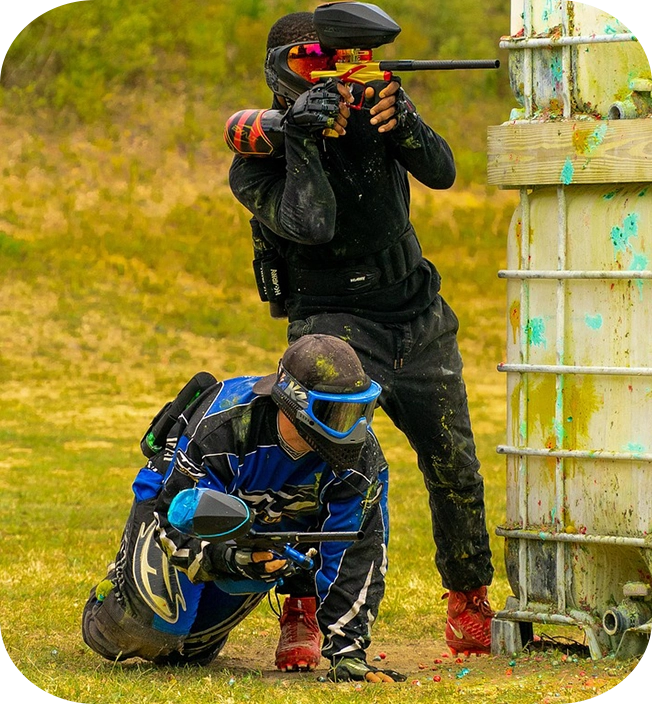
341,206
231,444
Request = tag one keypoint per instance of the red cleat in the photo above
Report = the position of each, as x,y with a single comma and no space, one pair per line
299,645
468,626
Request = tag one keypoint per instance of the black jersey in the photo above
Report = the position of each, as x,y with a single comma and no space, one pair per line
333,204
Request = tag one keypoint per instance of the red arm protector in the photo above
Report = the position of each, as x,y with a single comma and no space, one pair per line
255,133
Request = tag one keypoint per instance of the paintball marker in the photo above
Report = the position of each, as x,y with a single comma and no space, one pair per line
218,518
341,25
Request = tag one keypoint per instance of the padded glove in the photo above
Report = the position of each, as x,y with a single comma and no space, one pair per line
259,565
347,669
406,114
317,108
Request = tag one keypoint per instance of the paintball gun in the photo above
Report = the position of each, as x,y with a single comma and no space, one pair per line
348,32
341,25
218,518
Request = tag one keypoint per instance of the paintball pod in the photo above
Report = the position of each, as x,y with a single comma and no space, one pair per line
218,518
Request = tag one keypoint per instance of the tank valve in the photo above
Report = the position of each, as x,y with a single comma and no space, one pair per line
634,610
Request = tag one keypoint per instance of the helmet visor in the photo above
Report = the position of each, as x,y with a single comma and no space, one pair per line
339,414
303,59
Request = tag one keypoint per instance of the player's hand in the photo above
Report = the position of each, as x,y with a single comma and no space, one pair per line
321,107
347,669
258,564
383,113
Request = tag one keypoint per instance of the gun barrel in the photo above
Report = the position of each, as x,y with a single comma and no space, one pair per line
436,65
289,537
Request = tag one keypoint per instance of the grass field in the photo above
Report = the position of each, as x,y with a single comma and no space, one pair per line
125,268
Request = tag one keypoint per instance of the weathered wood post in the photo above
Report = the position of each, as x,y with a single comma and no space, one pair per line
578,534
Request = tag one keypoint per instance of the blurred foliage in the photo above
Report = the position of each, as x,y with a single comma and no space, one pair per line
79,59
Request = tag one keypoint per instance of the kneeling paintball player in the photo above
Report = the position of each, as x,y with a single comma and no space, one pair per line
297,451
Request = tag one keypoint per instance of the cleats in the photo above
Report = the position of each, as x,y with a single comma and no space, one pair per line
468,625
299,646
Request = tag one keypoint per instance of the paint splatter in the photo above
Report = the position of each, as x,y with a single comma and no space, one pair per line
556,68
621,236
643,192
636,448
515,318
587,142
593,321
567,171
536,332
639,263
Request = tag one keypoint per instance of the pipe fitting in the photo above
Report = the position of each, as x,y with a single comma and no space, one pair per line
630,613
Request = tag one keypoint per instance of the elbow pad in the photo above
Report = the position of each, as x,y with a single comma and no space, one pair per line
255,133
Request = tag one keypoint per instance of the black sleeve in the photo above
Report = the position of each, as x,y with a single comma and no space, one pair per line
291,196
424,153
350,579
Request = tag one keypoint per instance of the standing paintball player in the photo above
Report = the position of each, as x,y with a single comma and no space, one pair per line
331,223
296,447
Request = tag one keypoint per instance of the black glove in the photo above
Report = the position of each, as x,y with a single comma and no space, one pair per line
317,108
259,565
406,114
347,669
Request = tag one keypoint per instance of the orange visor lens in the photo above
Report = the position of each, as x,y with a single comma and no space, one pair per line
306,58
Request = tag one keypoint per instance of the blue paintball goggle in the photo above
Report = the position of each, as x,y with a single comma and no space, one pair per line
334,424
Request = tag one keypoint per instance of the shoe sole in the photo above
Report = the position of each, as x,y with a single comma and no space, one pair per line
300,666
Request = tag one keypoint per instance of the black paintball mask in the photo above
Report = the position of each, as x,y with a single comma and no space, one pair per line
323,390
288,68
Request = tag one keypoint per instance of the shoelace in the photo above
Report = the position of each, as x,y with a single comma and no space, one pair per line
482,605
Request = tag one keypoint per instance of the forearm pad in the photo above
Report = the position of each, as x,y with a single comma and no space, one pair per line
255,133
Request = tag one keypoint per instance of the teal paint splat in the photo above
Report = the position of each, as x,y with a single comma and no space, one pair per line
593,321
620,236
595,139
610,29
547,11
631,225
639,263
635,448
536,332
567,172
556,67
643,192
612,194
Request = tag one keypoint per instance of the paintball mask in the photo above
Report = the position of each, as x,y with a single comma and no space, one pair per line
334,425
288,68
321,387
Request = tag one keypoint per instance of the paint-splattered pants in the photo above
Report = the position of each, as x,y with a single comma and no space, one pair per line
146,608
419,367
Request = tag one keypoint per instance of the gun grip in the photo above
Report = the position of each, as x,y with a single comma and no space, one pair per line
377,86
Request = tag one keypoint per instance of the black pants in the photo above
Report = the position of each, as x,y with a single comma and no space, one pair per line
419,366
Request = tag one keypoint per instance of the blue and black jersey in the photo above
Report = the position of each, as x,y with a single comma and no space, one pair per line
230,443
